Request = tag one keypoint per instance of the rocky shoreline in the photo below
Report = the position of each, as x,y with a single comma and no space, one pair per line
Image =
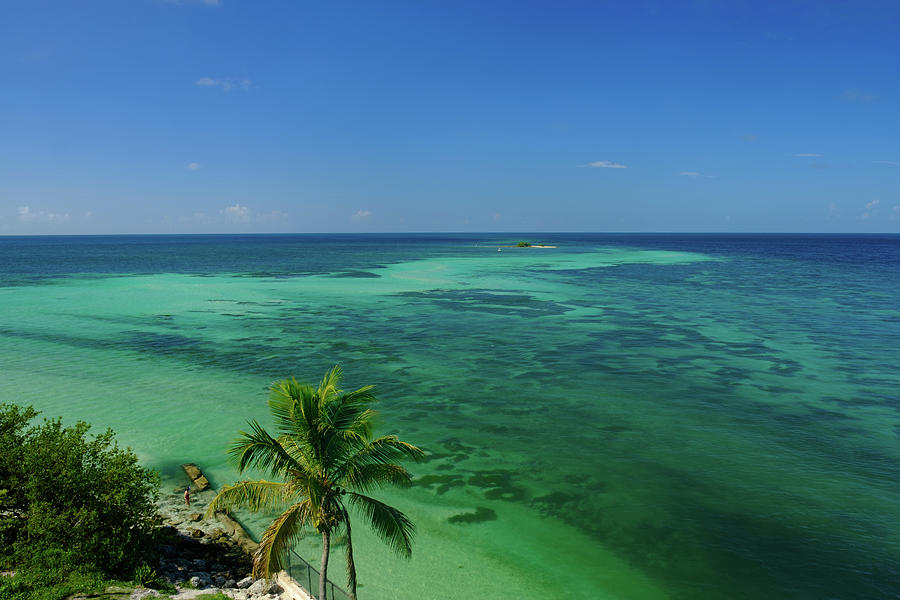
203,556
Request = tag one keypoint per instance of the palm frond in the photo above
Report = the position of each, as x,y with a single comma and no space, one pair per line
350,411
368,476
254,495
259,449
330,382
278,538
391,525
293,405
381,451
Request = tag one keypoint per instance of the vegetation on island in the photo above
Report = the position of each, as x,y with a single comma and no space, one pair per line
326,461
76,510
523,244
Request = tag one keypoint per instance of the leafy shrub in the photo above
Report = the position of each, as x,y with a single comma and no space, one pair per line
73,503
523,244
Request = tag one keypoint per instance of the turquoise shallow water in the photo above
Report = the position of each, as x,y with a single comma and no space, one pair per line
619,417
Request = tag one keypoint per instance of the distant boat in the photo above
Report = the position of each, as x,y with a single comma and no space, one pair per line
499,249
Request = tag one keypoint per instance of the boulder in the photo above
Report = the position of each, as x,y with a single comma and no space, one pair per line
258,587
245,583
196,476
237,533
197,533
229,583
200,580
274,589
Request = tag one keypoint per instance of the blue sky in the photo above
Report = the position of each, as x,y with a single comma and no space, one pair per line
154,116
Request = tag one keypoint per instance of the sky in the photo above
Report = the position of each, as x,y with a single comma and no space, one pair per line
212,116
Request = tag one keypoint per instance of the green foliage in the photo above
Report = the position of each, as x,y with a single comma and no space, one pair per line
74,503
145,576
523,244
50,584
324,453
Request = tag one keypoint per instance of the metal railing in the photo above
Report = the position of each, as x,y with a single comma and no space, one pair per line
308,578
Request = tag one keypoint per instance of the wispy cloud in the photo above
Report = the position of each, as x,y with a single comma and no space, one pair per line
807,155
227,84
193,166
895,212
695,174
237,213
361,214
26,215
870,208
893,163
605,164
750,138
859,97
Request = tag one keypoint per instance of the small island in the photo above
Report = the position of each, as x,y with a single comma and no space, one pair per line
527,245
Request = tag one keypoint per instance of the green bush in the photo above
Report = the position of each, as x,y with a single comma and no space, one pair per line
523,244
73,503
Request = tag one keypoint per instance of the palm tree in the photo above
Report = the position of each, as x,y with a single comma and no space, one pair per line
326,460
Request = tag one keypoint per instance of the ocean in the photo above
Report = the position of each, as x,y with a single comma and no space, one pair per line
631,416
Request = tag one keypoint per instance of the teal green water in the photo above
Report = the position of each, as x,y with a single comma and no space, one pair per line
614,418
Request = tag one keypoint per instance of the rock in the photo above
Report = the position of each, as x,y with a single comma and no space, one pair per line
167,550
195,517
197,533
196,476
258,587
237,533
142,593
229,583
200,580
245,583
219,581
198,564
274,589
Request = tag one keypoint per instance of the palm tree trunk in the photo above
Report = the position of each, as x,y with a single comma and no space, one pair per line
323,573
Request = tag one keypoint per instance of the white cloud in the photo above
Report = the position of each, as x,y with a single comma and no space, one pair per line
361,214
226,83
893,163
26,215
237,213
833,212
695,174
606,164
193,166
808,155
870,209
895,212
